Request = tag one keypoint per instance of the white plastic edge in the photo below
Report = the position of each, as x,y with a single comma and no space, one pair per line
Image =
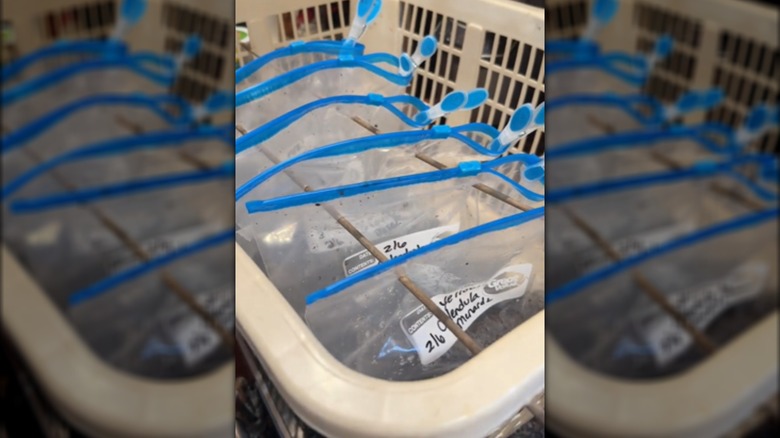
707,400
95,397
472,400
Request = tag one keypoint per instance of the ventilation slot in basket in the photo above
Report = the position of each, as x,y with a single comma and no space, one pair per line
748,72
439,74
513,74
674,75
566,20
201,75
327,21
89,20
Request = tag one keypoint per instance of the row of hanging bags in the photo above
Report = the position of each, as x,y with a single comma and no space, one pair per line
396,154
306,241
486,280
112,186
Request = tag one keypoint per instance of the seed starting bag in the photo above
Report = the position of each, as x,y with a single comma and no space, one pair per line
380,73
591,115
488,280
635,153
634,215
87,225
135,72
306,232
262,174
332,119
607,72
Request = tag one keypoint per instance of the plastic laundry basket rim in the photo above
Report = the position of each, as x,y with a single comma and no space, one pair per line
79,384
594,404
338,401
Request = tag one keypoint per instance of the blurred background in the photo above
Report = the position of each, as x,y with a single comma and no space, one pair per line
662,277
117,230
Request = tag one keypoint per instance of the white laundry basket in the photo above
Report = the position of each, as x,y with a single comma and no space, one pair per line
724,43
92,395
495,44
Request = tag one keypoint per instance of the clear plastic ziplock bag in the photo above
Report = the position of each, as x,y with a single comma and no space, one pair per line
608,72
488,280
380,156
306,232
106,116
20,171
384,156
69,239
297,54
591,115
635,153
300,53
332,119
55,56
720,280
94,119
637,214
379,73
136,72
136,319
82,241
261,174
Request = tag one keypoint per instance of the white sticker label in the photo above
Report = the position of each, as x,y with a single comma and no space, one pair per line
45,235
632,245
195,340
701,306
429,335
397,247
194,337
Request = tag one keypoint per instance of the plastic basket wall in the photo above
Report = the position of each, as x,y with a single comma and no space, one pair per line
495,44
724,43
274,24
165,26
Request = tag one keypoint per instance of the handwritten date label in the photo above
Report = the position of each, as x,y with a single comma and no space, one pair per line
397,247
430,336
